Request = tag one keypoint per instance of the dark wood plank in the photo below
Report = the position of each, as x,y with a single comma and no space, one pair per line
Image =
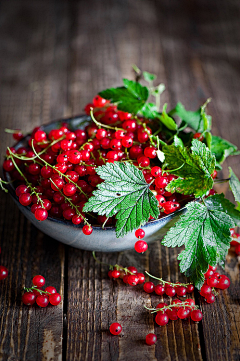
34,83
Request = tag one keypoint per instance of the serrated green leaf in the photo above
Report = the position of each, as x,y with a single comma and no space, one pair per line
166,119
130,98
234,184
204,230
149,77
219,202
221,148
125,193
149,111
193,167
193,119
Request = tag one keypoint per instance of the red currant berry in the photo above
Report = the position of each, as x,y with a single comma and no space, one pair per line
150,152
87,230
101,133
41,214
69,189
190,288
143,161
161,182
8,165
209,273
133,280
156,171
115,328
181,291
237,249
205,290
159,290
42,300
148,287
161,319
141,278
77,219
132,269
127,141
99,102
223,283
38,281
74,156
183,313
170,291
161,200
40,136
212,281
29,298
190,302
125,278
3,272
124,115
196,315
51,290
210,298
141,246
172,314
139,233
213,268
21,189
25,199
115,273
55,299
151,339
17,135
198,136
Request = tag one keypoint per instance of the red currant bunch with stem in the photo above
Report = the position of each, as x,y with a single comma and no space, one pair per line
40,296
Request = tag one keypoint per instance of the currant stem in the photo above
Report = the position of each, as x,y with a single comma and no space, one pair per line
173,305
100,125
35,288
170,283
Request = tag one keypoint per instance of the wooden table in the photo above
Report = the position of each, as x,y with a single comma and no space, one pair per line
55,56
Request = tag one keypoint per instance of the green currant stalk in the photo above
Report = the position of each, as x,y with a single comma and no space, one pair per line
172,305
167,282
100,125
1,185
111,267
34,288
71,203
32,188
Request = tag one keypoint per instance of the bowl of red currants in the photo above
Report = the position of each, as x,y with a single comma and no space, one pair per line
51,173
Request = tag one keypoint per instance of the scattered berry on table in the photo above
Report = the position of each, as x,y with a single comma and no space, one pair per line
115,328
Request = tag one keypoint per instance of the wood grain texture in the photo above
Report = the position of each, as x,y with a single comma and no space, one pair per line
57,56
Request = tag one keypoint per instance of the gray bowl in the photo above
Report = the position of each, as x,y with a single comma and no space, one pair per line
101,240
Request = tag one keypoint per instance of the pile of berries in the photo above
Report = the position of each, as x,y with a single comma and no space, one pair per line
213,280
56,174
41,297
129,275
235,241
3,270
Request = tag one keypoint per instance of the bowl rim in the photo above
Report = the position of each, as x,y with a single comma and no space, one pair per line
11,189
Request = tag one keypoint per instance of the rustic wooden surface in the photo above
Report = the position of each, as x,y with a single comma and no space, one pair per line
55,56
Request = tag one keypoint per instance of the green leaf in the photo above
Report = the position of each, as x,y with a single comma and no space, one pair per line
221,148
234,184
238,206
149,77
166,119
193,119
177,141
204,230
149,111
125,193
193,167
130,98
219,202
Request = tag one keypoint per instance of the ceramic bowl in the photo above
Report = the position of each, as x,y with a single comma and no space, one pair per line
101,240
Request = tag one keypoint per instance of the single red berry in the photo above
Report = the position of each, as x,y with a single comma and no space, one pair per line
151,339
127,141
17,135
87,230
29,298
183,313
213,268
237,249
196,315
74,156
223,283
115,144
172,314
42,300
51,290
141,246
205,290
143,161
3,272
40,136
161,200
25,199
190,302
161,319
161,305
77,219
99,102
41,214
210,298
125,278
159,290
170,291
150,152
198,136
156,171
212,281
133,280
181,291
69,189
141,278
139,233
132,269
209,273
115,273
38,281
148,287
161,182
190,288
115,328
55,299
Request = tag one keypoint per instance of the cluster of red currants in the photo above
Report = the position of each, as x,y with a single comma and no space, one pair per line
129,275
3,270
177,309
168,288
235,241
41,297
56,173
213,280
